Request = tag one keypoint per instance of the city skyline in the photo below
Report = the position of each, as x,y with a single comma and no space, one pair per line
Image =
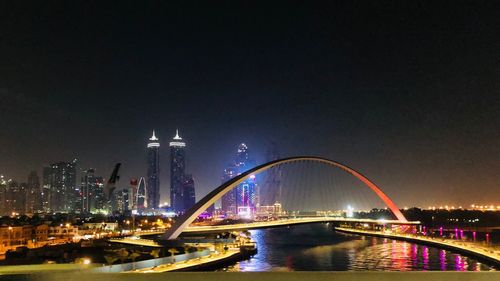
408,94
165,198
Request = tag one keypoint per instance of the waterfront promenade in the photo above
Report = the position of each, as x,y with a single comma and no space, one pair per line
190,264
491,253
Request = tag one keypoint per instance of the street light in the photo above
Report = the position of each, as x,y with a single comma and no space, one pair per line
10,231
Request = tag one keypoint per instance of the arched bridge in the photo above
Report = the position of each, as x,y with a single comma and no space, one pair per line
183,222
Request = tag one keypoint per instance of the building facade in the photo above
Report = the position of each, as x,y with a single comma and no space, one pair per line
177,169
153,173
122,201
92,193
188,192
33,195
59,186
243,200
3,196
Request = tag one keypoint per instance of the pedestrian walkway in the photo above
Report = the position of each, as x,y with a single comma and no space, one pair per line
491,253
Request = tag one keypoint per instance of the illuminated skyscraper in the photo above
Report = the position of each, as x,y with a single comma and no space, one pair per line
188,195
244,198
59,182
177,167
228,200
121,204
133,193
92,192
3,196
153,190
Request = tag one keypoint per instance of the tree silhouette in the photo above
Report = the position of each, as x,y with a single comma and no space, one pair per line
133,256
122,254
173,251
155,253
110,259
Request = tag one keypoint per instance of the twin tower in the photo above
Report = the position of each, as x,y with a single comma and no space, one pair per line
182,191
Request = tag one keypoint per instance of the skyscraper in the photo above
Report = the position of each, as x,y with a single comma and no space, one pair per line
133,193
243,199
14,197
228,200
59,180
153,190
121,203
188,192
3,196
177,166
46,186
92,192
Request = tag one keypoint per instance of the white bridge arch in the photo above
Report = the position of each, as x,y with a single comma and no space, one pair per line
191,214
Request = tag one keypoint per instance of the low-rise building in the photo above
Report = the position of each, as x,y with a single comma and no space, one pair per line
101,226
64,232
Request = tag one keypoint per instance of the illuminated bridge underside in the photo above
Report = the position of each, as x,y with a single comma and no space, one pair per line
286,222
183,222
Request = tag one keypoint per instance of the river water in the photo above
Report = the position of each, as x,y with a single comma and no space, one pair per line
317,247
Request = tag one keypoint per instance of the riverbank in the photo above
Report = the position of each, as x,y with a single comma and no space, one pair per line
487,253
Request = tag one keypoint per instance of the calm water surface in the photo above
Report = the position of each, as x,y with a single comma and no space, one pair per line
317,247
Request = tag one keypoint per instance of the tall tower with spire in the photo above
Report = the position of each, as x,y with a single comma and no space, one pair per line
153,176
177,169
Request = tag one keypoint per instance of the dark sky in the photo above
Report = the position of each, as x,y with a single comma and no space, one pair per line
408,92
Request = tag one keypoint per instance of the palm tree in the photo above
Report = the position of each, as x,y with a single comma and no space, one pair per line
134,256
122,254
110,259
155,253
173,251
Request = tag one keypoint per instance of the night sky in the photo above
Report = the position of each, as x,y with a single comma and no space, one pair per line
407,92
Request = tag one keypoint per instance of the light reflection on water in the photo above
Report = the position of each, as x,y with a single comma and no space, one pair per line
317,247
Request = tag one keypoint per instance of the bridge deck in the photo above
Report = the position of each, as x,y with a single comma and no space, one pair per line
286,222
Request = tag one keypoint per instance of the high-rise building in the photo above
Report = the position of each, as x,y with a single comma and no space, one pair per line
244,198
177,167
133,193
122,201
13,198
92,193
45,190
20,198
33,195
188,192
3,196
59,180
153,190
141,198
228,200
